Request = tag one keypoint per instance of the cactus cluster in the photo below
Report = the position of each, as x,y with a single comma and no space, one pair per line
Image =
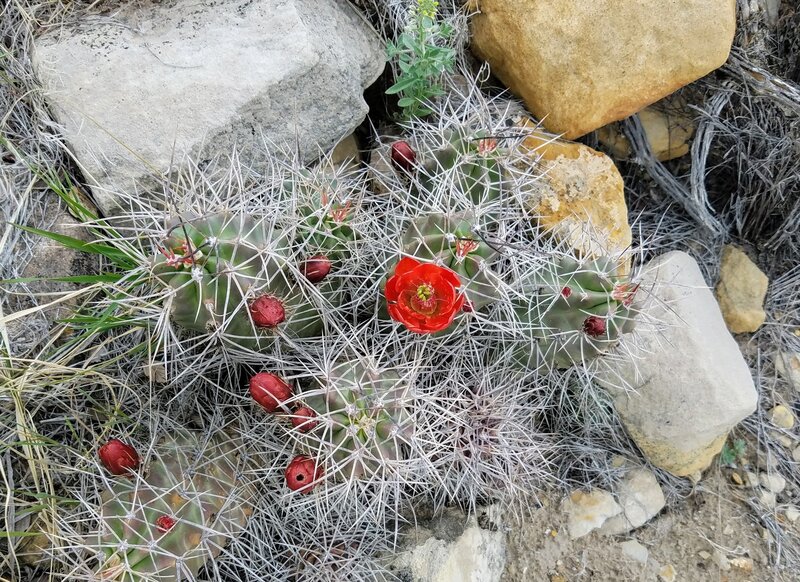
235,275
571,312
357,418
164,523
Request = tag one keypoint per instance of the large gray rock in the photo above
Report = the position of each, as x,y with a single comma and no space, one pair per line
688,383
200,77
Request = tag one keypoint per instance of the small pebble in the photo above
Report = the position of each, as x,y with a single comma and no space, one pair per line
635,551
744,564
667,573
704,554
736,478
750,479
792,513
767,499
774,482
783,440
781,417
796,455
728,530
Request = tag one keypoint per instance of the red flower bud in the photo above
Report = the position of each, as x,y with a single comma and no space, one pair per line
165,522
594,326
118,458
566,292
316,268
269,390
301,419
302,473
267,311
403,156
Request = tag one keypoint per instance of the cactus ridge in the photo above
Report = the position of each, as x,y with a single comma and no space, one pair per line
164,527
572,313
363,420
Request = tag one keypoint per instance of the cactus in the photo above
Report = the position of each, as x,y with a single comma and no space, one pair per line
231,273
360,420
165,526
452,242
573,313
470,162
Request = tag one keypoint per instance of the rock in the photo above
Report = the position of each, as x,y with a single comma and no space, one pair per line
774,482
767,499
792,513
668,126
580,198
687,382
787,364
781,417
796,455
783,440
667,573
582,65
468,552
704,554
346,153
164,80
741,291
751,479
743,564
635,551
588,510
736,479
640,497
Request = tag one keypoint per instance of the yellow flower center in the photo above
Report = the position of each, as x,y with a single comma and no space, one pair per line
424,292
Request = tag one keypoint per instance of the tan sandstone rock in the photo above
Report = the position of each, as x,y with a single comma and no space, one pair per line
580,198
668,126
741,291
581,65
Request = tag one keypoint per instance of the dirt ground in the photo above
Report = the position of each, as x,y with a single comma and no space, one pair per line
714,520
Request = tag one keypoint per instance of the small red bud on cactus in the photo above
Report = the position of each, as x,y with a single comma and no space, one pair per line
269,390
316,268
468,307
403,156
267,311
119,458
594,326
165,523
566,292
302,473
301,419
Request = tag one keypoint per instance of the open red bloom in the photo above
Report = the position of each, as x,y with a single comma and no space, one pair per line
422,296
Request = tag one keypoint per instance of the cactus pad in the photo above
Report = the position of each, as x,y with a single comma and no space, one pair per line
572,313
164,527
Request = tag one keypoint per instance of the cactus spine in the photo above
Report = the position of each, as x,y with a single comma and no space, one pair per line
164,527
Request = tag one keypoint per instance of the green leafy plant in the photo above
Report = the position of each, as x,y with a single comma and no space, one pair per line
423,57
732,452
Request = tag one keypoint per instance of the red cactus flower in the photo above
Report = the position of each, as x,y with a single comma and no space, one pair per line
316,268
594,326
164,523
267,311
302,419
119,458
302,474
422,296
269,390
403,155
